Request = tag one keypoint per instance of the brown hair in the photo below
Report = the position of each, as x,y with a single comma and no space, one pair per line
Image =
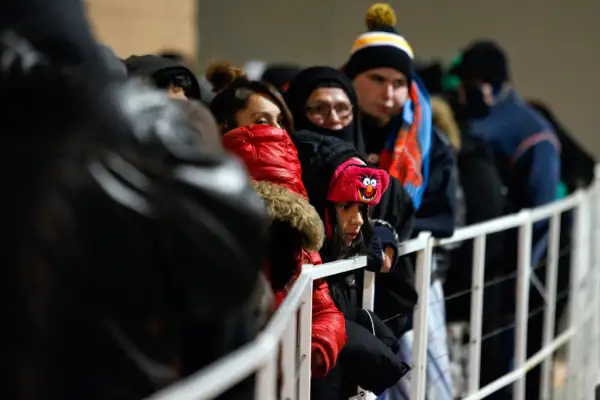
233,90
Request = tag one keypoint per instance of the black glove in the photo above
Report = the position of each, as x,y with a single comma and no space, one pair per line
384,236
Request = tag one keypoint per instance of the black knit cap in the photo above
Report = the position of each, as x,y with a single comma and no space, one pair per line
280,75
483,60
381,46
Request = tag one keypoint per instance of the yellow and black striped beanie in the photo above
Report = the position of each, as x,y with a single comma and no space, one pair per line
381,46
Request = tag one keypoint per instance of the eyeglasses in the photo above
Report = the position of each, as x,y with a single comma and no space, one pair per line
324,110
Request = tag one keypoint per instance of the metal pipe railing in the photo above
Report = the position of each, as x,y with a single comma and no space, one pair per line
289,330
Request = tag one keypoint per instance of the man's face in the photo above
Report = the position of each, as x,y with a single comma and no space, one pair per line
381,92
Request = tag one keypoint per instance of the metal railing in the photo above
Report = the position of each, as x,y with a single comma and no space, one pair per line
289,331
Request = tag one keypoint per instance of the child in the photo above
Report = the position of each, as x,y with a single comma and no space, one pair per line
343,189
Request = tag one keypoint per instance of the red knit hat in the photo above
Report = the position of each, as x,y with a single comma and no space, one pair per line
354,182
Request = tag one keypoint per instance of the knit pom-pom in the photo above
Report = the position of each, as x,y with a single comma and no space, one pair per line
380,15
221,74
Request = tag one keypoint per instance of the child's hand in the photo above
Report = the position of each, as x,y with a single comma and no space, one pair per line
383,249
389,255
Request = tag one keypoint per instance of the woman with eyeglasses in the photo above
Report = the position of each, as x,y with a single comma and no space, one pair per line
328,139
322,100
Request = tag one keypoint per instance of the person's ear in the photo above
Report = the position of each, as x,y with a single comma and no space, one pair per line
488,93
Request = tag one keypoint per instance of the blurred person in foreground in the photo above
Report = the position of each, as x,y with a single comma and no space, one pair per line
115,228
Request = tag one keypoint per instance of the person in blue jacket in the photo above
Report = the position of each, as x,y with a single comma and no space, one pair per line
527,153
527,149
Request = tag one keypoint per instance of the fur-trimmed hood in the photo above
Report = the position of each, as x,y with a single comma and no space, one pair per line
272,161
287,206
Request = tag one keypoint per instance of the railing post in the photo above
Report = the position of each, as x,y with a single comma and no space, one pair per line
586,346
595,204
266,379
477,289
420,319
368,303
522,311
288,360
550,309
368,298
305,340
594,291
573,359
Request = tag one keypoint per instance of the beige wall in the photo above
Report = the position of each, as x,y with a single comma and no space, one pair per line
145,26
553,44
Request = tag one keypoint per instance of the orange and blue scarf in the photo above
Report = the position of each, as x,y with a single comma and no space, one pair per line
408,147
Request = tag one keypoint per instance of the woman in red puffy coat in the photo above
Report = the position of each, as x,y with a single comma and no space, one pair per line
296,232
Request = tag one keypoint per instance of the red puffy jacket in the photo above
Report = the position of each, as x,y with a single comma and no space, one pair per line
272,161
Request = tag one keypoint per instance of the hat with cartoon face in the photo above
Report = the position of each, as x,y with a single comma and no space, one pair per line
353,182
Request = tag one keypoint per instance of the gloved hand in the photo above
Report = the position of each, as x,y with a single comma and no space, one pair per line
383,251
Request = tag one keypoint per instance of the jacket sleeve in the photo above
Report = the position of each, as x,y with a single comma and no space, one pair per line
539,169
577,165
437,211
369,362
538,175
328,328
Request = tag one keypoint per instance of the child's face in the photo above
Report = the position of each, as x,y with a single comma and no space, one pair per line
350,220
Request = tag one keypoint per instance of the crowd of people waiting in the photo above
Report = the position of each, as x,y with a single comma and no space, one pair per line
155,225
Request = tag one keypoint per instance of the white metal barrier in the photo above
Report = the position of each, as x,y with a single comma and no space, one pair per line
288,376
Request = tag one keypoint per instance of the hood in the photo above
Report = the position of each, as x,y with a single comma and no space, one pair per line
320,157
151,66
302,87
272,161
280,75
114,63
